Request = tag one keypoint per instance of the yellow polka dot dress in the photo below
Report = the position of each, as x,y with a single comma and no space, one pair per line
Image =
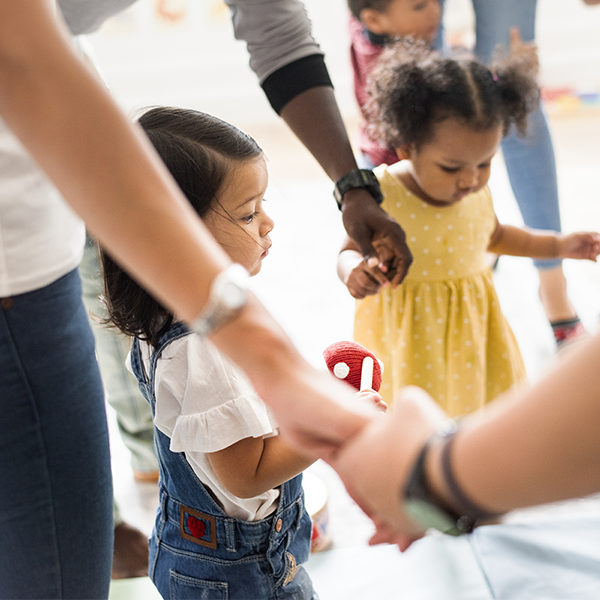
441,329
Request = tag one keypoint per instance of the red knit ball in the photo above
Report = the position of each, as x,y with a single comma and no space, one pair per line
344,359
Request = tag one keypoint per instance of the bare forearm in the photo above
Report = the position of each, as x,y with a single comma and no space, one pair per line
278,464
104,168
542,447
315,118
515,241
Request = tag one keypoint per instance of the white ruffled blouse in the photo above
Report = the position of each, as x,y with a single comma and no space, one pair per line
205,403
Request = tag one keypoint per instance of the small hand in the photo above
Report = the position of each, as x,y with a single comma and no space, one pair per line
367,223
582,245
365,281
373,397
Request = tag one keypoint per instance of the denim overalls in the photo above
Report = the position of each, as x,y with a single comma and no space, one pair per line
197,550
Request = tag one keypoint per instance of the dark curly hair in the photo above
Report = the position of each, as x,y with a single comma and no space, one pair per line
413,87
199,150
357,6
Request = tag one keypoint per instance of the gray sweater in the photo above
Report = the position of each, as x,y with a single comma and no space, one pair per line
283,54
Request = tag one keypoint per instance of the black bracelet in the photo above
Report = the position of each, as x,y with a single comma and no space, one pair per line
459,499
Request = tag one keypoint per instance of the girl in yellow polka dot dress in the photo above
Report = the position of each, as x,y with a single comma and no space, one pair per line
442,328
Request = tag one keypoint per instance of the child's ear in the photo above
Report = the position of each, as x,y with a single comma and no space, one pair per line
403,153
374,21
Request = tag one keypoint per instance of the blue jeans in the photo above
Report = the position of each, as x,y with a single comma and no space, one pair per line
530,161
55,480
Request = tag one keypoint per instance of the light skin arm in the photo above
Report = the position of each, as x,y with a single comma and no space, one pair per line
253,466
543,444
515,241
315,118
111,176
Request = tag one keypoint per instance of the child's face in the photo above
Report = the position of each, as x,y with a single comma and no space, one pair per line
419,19
454,162
237,220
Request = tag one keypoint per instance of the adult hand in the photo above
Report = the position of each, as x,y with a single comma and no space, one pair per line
381,240
375,463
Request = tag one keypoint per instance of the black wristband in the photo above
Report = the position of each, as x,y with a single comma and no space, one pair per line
357,178
460,501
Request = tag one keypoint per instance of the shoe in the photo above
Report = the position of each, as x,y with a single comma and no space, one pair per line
568,330
130,553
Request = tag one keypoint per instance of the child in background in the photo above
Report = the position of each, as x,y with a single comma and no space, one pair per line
231,520
442,329
373,25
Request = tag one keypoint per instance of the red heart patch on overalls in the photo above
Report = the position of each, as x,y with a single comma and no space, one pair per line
197,527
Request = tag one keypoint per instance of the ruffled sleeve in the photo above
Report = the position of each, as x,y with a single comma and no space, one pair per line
205,403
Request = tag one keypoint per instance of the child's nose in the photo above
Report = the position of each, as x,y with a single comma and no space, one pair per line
267,225
468,178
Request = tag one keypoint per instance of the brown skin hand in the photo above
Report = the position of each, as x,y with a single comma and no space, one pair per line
315,118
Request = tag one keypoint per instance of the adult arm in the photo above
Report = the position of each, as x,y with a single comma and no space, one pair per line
111,176
540,445
292,72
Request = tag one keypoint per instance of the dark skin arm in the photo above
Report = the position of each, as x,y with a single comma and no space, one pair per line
315,118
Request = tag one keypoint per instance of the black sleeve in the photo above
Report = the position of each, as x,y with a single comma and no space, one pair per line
288,82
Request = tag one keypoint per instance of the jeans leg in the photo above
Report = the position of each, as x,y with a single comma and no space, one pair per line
55,478
530,161
134,416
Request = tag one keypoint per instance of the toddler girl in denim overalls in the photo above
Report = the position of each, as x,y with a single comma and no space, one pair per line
231,521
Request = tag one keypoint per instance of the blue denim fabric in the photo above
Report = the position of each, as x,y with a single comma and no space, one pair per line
198,551
56,531
530,161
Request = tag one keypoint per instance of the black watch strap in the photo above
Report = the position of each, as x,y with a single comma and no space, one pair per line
358,178
425,508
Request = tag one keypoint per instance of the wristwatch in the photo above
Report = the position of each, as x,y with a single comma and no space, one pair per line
228,296
422,506
358,178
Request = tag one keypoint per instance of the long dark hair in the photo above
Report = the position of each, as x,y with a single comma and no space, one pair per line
412,88
199,150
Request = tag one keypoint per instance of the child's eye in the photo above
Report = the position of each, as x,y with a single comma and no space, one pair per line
486,165
449,169
250,218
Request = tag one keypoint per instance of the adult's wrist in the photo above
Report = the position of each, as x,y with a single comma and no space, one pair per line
433,496
357,179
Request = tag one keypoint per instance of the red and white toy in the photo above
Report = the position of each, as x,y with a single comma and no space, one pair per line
354,364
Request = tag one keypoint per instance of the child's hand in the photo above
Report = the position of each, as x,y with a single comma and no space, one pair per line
364,281
582,245
526,50
374,397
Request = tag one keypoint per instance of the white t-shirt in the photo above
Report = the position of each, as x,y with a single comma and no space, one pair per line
41,238
205,403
